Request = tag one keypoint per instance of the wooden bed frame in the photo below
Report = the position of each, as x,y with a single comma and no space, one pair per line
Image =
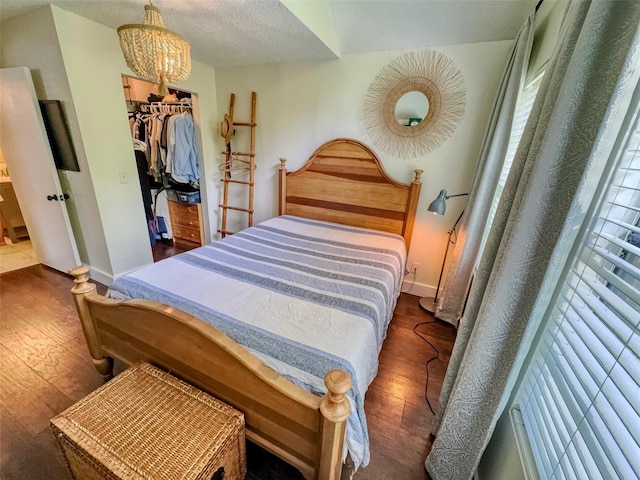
344,182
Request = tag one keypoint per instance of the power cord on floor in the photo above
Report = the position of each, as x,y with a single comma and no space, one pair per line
437,354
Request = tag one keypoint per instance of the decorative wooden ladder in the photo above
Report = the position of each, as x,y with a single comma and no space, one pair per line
240,162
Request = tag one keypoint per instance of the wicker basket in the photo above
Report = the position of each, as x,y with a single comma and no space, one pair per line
147,424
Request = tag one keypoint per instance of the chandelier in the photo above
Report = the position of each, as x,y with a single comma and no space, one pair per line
155,53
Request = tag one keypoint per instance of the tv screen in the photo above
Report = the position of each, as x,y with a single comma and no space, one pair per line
64,155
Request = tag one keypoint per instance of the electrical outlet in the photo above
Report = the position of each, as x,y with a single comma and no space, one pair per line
414,268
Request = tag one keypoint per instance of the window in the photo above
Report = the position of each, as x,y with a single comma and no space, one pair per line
523,109
580,398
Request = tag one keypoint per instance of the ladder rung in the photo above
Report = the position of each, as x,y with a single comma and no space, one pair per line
236,181
244,124
226,232
242,154
240,209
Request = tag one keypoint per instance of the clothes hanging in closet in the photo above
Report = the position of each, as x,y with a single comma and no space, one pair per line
145,186
182,154
171,144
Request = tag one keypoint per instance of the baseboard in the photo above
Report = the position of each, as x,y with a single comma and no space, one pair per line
417,289
100,276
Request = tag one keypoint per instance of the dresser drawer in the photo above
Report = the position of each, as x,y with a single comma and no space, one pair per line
184,212
184,233
186,223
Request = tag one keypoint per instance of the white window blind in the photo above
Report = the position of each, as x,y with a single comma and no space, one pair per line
521,115
580,399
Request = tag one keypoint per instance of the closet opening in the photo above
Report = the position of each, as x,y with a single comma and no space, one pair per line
165,141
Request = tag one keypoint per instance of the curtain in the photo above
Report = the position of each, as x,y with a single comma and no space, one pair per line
485,180
520,266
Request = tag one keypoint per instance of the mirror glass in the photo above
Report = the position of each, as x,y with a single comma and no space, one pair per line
412,108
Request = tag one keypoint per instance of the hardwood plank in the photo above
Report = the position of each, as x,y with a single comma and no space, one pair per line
417,418
29,456
27,396
384,405
46,367
4,351
404,447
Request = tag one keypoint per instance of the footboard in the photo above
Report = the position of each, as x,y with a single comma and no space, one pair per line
304,430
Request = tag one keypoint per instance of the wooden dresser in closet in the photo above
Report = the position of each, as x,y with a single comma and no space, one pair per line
186,223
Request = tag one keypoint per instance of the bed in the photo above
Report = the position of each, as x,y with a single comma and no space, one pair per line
283,320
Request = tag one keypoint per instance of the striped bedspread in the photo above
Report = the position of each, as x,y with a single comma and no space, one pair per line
304,296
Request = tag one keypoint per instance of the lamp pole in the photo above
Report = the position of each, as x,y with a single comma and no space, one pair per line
430,303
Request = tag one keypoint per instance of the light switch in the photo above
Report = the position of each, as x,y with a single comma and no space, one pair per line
124,177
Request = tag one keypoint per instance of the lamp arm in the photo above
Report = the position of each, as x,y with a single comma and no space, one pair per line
447,197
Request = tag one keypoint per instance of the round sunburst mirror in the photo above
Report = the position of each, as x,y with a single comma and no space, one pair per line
414,104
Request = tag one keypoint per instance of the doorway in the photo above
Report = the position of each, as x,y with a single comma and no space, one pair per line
39,209
16,250
162,130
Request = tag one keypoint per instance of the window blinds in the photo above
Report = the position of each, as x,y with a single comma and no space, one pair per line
523,109
580,399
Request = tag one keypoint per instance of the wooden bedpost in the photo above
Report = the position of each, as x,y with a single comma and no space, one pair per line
81,291
335,408
282,187
412,207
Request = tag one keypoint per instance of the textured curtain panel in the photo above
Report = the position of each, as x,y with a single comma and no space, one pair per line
521,262
485,180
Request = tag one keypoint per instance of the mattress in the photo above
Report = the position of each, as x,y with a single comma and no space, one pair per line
302,295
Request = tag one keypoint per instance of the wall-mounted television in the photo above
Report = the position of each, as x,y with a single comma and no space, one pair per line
64,155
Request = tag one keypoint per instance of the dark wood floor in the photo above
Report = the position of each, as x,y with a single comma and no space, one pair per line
166,248
45,368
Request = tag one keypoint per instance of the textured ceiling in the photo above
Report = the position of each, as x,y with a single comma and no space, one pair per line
244,32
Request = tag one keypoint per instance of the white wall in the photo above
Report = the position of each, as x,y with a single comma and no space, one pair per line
80,62
94,67
31,41
300,106
94,64
317,17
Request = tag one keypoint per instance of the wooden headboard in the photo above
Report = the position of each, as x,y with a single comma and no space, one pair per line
344,182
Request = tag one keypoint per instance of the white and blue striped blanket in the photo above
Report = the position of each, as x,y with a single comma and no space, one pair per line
304,296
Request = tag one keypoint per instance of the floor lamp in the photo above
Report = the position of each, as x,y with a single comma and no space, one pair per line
438,207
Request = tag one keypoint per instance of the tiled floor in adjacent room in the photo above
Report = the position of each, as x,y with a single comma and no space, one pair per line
16,255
